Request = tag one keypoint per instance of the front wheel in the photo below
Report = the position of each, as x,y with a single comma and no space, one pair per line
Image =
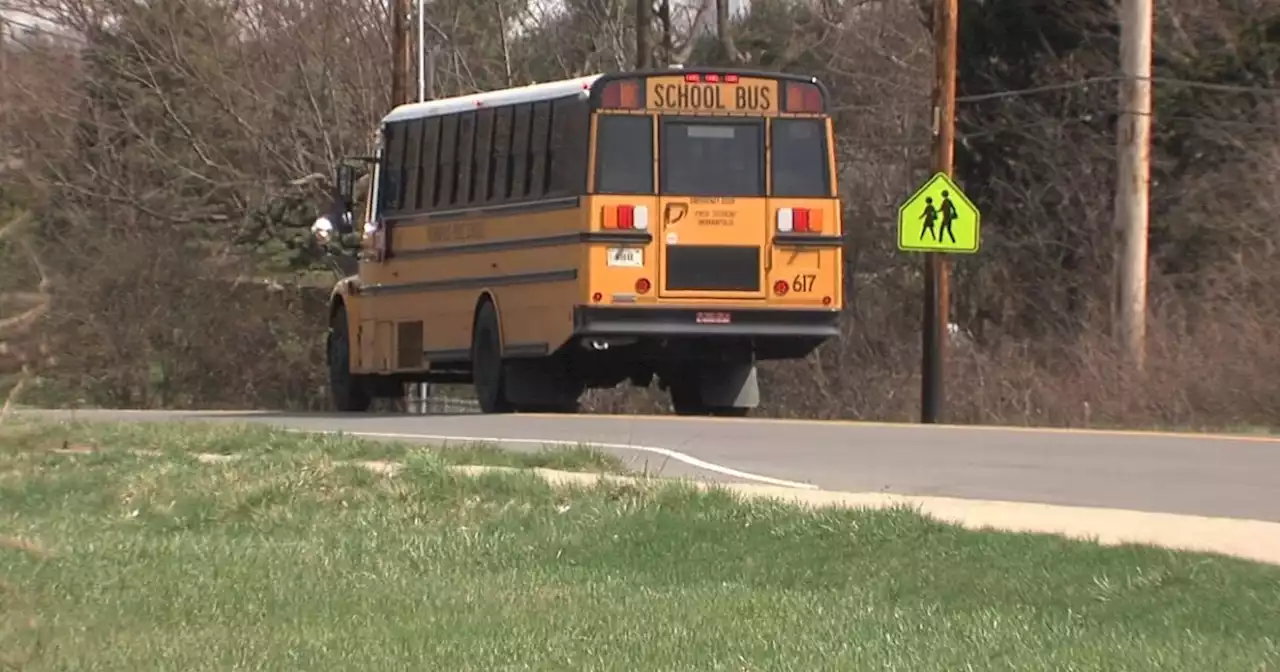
348,390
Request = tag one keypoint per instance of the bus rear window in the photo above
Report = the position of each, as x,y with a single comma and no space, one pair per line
624,154
701,158
800,159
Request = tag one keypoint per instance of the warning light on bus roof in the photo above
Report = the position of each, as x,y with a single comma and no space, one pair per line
710,78
621,94
803,97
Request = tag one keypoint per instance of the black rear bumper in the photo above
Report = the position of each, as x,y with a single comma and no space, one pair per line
705,322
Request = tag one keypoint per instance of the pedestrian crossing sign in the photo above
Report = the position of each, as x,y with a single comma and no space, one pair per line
939,218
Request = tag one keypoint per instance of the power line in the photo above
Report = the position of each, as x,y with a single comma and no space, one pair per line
1049,88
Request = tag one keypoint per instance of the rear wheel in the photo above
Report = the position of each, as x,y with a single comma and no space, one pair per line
349,392
486,362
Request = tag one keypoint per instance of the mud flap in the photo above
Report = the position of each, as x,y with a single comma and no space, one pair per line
723,385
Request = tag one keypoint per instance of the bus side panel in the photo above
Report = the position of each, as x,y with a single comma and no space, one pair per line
528,261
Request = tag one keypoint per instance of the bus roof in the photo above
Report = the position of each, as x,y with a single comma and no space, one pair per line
524,94
551,90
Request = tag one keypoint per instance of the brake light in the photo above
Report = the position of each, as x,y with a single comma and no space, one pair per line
799,220
621,94
626,217
780,287
803,97
710,78
643,286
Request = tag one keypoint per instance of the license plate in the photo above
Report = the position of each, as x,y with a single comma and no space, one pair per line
713,318
630,257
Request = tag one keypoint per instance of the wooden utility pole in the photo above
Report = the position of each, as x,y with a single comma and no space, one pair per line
644,22
937,281
400,52
1133,177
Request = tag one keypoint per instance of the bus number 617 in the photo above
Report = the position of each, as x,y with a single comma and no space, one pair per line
803,283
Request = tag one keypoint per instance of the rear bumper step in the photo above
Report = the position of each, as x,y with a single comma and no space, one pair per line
708,321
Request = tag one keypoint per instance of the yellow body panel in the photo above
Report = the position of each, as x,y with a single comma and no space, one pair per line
466,252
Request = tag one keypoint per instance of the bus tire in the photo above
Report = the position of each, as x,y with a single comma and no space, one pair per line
349,391
486,361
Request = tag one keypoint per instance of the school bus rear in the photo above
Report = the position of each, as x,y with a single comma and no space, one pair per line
714,194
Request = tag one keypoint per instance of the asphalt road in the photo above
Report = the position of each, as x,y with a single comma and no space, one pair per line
1235,477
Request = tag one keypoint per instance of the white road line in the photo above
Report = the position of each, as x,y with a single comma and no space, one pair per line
665,452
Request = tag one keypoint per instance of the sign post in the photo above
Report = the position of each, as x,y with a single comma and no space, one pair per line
938,220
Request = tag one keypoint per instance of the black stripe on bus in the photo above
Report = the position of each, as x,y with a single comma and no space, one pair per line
807,240
472,282
620,237
427,218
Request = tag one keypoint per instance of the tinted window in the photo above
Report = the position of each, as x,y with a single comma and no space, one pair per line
800,158
412,166
499,185
392,165
537,160
427,171
712,159
518,159
566,156
480,159
624,154
462,158
445,172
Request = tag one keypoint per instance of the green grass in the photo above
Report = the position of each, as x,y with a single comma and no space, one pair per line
287,560
250,439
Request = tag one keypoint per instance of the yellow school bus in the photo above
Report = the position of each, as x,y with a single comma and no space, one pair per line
539,241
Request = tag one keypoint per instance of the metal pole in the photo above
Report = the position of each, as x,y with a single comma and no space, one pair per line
1133,176
422,53
937,296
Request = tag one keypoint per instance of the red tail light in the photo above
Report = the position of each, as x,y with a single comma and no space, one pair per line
803,97
626,216
710,78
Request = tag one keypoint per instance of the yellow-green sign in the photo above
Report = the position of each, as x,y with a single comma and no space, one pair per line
939,218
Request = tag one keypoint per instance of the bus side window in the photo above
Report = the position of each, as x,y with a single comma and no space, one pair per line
567,152
412,166
444,164
427,170
538,144
462,158
480,158
518,160
499,172
389,198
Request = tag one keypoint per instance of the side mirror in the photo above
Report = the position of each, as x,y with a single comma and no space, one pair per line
345,181
340,214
